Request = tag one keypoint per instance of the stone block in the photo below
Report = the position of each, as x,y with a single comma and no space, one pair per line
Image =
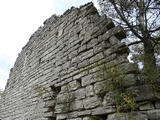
76,105
78,76
61,116
89,90
153,114
129,67
73,54
127,116
91,78
113,40
118,31
110,58
50,103
129,80
82,48
87,38
91,102
103,28
86,80
147,106
103,110
119,49
83,63
87,118
109,99
48,114
63,98
73,85
64,89
80,93
96,58
62,108
140,92
75,119
100,87
98,48
157,105
108,52
87,54
92,43
92,118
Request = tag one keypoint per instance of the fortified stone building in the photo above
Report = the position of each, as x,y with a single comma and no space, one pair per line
66,72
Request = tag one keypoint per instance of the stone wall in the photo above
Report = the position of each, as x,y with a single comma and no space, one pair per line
62,72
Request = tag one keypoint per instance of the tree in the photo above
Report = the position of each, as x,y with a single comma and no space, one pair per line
141,19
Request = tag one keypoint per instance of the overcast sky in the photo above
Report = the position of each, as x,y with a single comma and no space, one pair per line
18,20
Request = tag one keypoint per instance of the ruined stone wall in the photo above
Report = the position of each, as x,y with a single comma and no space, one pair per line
60,75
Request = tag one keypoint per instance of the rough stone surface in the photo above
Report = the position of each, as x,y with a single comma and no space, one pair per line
157,105
153,114
127,116
63,72
147,106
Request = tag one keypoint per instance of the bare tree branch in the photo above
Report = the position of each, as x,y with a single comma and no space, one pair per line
133,43
157,29
124,19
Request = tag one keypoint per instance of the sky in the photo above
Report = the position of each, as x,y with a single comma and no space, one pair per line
19,19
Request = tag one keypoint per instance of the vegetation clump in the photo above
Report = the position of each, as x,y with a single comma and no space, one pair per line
124,100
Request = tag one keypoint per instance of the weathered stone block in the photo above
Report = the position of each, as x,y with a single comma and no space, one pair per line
129,67
92,118
78,76
101,87
103,110
157,105
87,54
109,51
109,99
83,64
91,78
147,106
91,102
50,103
92,43
73,85
80,93
113,40
140,92
96,58
102,29
76,105
63,98
61,116
153,114
82,48
75,119
127,116
89,90
62,108
98,48
48,114
87,80
129,80
64,89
